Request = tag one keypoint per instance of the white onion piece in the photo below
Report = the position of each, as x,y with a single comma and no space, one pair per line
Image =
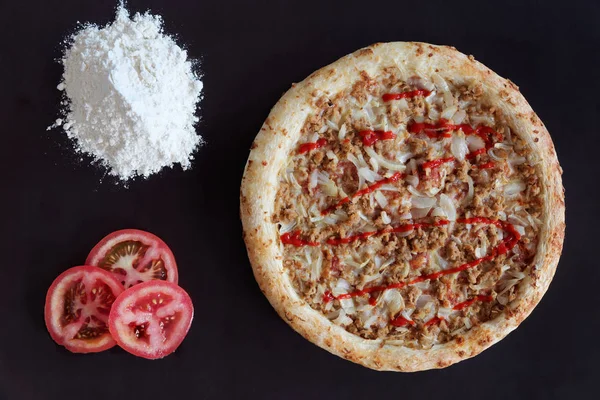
517,160
369,175
444,312
348,305
439,260
438,212
478,119
514,187
412,180
517,220
285,228
449,112
332,125
385,218
519,229
342,319
422,202
394,301
420,212
313,179
342,132
381,199
494,156
402,104
391,165
459,147
440,82
471,190
459,117
315,271
448,206
448,98
407,215
475,142
403,157
415,192
433,114
406,313
331,155
389,188
423,300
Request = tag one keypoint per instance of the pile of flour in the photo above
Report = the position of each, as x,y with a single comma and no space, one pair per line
131,96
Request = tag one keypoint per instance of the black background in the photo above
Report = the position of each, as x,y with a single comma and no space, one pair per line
56,207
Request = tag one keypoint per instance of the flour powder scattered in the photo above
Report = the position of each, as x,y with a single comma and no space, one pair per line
132,96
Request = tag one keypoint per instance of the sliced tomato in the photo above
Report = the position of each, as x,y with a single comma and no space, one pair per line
77,308
151,319
134,256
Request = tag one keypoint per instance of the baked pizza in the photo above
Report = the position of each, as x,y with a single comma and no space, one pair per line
403,207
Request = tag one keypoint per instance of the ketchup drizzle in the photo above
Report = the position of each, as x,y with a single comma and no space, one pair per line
413,93
397,176
369,138
306,147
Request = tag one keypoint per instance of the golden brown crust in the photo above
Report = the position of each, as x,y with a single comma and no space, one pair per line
279,135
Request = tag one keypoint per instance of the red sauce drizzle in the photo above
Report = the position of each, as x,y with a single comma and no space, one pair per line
433,320
467,303
306,147
400,321
486,165
369,138
400,228
506,245
294,239
397,176
406,95
436,163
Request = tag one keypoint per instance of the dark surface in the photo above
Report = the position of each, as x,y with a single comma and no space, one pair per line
55,208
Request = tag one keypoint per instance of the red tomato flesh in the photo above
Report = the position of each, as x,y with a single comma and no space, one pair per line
77,307
150,320
134,256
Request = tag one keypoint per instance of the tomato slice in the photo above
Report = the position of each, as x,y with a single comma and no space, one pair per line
77,307
151,319
134,256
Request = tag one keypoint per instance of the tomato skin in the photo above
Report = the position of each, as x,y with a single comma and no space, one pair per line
105,245
55,304
136,304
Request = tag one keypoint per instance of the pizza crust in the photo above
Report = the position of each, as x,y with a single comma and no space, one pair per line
279,135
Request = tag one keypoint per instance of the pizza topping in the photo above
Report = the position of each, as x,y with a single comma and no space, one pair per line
413,213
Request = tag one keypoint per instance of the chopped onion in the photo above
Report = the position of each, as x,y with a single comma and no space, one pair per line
405,216
331,155
342,319
403,157
478,119
423,300
459,117
423,285
385,218
439,260
494,156
348,305
440,82
459,147
391,165
415,192
449,112
517,160
342,132
285,228
368,174
444,312
420,212
389,188
475,142
313,179
412,180
519,229
433,114
438,212
315,271
514,187
423,202
448,206
381,199
517,220
471,191
394,301
402,104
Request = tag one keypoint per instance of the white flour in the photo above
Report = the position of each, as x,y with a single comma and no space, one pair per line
132,96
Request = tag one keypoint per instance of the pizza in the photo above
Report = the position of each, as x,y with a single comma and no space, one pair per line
403,207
